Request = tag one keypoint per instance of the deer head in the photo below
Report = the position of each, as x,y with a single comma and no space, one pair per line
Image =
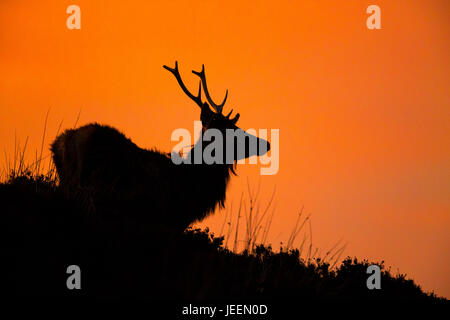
211,116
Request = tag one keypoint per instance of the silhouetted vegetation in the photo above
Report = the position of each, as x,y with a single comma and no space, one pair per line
44,230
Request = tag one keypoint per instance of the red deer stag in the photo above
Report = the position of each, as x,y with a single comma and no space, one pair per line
146,185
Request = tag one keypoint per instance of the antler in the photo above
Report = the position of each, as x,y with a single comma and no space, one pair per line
197,99
201,74
235,119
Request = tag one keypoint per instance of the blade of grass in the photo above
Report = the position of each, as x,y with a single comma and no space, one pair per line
42,143
237,224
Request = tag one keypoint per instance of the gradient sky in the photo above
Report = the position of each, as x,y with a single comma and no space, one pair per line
363,114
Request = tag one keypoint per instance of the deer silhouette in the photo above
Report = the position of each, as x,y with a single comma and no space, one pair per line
146,185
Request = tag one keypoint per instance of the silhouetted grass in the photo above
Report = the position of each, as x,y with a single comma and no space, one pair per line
46,230
257,225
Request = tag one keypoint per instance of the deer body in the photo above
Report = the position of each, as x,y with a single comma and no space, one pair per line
122,178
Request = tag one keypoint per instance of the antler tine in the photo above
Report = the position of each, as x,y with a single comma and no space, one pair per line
202,76
197,99
236,118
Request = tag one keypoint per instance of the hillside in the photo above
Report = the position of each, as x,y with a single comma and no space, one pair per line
45,230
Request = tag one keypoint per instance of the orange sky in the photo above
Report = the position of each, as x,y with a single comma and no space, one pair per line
363,114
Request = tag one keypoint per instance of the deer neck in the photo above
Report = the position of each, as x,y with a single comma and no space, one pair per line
209,180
